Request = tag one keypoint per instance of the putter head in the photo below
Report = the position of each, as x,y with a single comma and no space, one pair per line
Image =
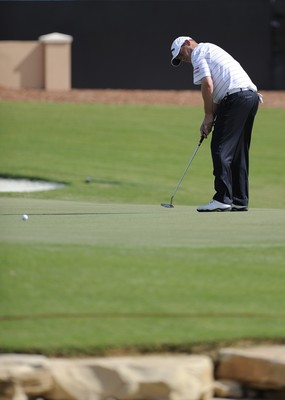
166,205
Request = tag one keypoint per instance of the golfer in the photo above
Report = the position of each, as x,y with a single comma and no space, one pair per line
230,104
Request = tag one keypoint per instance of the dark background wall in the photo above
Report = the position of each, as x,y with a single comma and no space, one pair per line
126,43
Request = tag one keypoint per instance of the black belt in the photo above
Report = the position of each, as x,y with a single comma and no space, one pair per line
232,91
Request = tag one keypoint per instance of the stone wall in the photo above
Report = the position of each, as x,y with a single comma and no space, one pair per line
257,372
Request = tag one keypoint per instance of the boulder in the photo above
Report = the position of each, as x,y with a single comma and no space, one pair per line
136,378
261,367
25,375
180,377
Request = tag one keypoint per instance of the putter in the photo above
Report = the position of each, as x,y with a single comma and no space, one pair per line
170,205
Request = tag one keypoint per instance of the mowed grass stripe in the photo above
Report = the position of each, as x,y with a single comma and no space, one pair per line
120,315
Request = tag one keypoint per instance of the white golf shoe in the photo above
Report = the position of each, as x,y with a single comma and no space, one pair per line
214,205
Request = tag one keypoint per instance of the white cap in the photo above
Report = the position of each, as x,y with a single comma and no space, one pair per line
175,49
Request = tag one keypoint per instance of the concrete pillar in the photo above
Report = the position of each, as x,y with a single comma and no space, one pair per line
57,61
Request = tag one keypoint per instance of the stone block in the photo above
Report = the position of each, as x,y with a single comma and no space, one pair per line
260,367
180,377
136,378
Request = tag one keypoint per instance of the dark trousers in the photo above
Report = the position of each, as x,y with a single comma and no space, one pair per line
230,146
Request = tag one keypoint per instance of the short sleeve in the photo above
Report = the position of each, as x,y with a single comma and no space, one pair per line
200,70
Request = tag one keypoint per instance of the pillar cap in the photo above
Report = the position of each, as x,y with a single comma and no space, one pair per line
55,38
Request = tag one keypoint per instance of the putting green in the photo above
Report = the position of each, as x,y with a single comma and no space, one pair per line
70,222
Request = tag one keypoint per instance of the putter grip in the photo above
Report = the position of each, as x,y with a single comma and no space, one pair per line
201,140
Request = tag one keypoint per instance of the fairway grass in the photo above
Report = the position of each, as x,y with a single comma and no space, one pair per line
134,154
79,276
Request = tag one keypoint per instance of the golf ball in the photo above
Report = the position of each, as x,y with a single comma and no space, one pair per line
25,217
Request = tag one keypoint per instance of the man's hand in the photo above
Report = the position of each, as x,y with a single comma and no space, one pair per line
207,125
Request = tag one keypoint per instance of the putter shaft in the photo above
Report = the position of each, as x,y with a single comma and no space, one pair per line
186,169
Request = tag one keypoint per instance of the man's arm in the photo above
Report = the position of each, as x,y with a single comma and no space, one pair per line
207,95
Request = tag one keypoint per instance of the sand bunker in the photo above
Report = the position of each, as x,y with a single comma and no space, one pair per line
27,185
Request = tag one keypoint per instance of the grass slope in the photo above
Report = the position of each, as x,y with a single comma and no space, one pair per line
133,153
102,265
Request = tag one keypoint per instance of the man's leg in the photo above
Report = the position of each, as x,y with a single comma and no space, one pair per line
228,133
240,164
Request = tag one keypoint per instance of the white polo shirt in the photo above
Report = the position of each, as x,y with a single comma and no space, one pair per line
210,60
